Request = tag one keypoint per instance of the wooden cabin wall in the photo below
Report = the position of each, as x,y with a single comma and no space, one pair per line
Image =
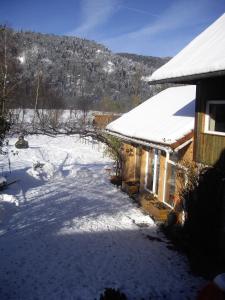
128,172
161,175
207,147
186,153
138,153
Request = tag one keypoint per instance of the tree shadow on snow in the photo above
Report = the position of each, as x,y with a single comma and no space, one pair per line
65,265
68,242
24,182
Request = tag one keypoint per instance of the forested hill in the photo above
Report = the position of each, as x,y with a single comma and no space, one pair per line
61,71
152,62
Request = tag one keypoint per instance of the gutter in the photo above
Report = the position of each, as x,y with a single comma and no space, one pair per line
183,145
136,141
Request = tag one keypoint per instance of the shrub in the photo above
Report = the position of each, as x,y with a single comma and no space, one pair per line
113,294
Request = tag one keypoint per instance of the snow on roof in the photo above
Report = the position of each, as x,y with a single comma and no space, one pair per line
164,118
205,54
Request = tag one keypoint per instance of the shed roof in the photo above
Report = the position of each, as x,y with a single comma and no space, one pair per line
165,118
203,57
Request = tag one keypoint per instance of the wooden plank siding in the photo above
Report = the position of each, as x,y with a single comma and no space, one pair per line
138,155
135,160
128,167
208,147
186,153
161,175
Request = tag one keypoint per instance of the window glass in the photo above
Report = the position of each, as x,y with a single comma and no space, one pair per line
216,117
175,182
170,184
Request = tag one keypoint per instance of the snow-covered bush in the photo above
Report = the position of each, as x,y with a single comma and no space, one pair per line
113,150
3,181
37,165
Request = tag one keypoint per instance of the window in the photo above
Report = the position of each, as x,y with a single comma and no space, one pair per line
175,181
170,184
215,117
157,168
152,171
149,171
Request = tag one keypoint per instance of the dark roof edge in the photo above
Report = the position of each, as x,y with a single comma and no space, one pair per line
189,78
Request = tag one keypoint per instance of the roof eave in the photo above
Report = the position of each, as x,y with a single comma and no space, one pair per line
169,146
189,79
138,140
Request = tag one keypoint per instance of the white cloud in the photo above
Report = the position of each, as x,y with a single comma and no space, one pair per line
93,14
181,14
137,10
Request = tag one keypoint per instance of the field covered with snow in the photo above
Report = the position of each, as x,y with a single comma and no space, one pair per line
67,233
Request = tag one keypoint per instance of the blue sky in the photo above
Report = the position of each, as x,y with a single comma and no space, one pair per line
159,28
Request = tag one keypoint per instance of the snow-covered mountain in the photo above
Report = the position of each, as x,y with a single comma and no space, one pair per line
71,71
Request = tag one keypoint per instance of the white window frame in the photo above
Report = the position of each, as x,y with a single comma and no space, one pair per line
156,154
169,161
221,102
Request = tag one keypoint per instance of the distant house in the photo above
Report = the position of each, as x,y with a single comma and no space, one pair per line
202,62
157,137
101,120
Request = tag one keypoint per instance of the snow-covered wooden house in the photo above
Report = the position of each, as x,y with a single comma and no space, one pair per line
157,136
202,62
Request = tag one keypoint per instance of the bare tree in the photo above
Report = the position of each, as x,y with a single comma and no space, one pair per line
7,84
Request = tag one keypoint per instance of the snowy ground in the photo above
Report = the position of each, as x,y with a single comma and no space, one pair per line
67,233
